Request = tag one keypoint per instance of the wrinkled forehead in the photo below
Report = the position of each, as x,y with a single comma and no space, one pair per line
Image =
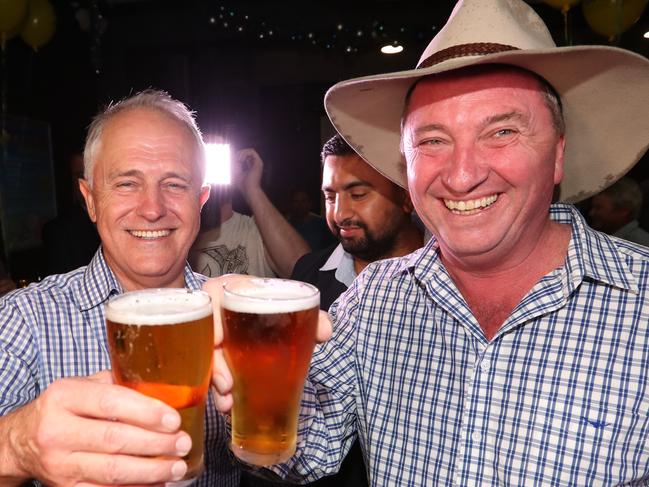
141,120
472,79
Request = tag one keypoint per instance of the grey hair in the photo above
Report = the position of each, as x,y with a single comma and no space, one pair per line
626,195
152,99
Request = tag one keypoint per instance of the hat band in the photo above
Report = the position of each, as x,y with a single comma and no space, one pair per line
462,50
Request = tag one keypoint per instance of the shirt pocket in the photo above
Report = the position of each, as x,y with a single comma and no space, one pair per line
592,444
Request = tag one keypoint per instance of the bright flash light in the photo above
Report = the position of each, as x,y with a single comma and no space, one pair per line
646,35
217,162
392,49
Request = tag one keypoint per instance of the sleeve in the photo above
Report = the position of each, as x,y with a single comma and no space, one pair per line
328,420
18,383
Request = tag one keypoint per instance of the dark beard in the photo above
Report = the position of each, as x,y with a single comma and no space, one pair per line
369,247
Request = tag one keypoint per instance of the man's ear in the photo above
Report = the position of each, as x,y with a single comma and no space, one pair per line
86,191
205,194
559,159
407,205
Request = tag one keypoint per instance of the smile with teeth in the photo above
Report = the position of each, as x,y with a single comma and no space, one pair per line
470,207
149,234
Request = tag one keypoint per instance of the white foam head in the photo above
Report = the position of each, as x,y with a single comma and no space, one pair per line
159,306
267,296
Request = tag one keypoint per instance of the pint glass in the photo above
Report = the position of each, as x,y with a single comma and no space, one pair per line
269,328
161,343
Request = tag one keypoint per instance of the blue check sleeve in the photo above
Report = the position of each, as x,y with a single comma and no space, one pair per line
18,384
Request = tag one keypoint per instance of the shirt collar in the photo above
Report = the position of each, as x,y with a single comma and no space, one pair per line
99,283
591,254
343,263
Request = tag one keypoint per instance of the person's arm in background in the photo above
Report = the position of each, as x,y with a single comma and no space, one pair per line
283,244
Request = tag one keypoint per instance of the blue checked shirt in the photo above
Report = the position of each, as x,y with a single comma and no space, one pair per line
56,329
559,397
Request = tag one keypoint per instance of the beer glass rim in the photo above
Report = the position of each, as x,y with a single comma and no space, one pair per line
116,310
269,295
227,288
171,290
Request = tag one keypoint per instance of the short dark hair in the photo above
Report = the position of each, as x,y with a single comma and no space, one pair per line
336,146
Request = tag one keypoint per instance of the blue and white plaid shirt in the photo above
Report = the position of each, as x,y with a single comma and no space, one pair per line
560,396
56,329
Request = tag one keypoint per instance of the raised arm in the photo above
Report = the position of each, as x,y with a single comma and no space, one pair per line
283,244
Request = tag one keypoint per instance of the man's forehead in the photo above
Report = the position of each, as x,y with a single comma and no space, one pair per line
145,129
141,120
476,78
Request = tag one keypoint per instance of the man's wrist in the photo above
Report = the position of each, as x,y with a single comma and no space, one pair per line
254,194
12,472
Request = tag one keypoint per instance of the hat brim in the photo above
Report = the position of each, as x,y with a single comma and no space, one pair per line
605,96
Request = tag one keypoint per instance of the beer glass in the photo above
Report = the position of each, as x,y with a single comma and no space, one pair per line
269,329
161,343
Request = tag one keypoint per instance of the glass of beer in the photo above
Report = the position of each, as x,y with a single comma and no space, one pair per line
161,343
269,329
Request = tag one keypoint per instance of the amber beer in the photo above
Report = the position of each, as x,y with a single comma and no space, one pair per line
269,328
161,344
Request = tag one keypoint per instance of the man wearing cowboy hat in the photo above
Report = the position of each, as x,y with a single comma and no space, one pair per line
511,349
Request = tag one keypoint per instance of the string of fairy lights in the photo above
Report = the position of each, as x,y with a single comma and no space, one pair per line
350,37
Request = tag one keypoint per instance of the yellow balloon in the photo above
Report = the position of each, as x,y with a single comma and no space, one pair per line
12,15
563,5
40,25
612,17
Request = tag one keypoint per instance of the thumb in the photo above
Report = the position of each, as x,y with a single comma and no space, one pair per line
214,287
325,328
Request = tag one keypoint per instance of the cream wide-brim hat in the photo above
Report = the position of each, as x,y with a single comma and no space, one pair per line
604,91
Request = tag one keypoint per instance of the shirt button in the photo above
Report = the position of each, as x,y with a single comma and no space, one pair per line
476,436
485,366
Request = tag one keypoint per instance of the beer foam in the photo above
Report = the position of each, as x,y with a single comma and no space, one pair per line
159,307
267,296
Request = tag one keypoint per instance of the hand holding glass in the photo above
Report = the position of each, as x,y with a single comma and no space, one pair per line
269,332
161,343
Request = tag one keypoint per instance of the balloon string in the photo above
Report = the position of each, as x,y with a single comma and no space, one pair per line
614,38
3,105
566,30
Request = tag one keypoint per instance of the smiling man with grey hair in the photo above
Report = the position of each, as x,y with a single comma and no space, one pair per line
62,420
